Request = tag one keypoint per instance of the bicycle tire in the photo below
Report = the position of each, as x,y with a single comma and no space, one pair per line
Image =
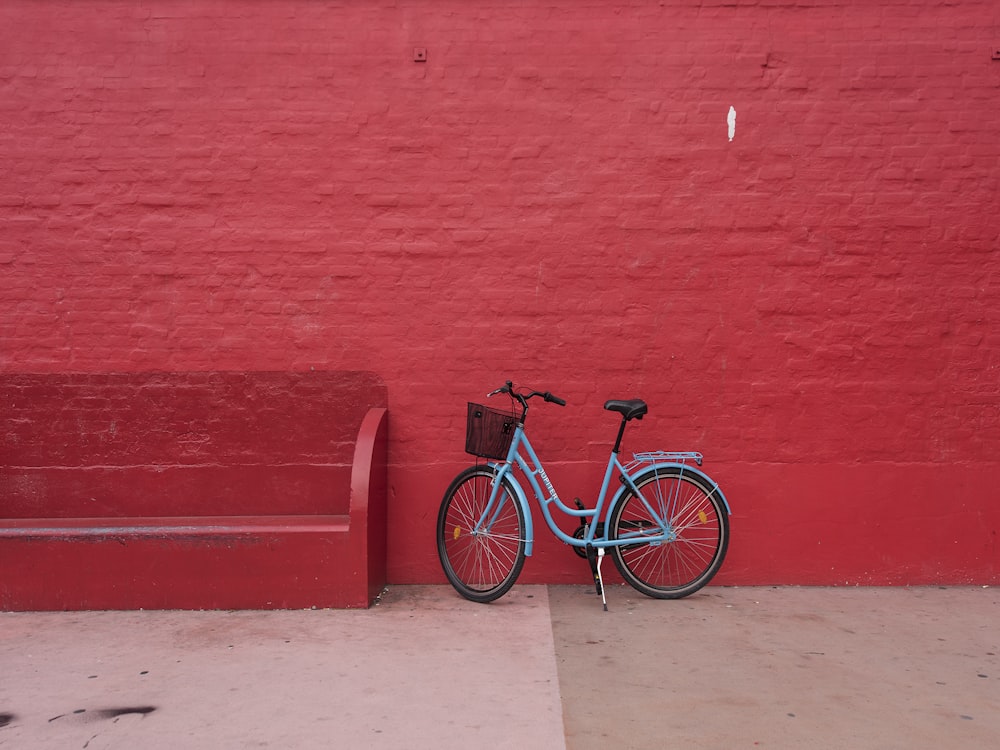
678,568
481,567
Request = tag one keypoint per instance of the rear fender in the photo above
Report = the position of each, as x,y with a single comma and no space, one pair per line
654,469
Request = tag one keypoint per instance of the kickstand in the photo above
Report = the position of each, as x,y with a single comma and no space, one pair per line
600,581
595,557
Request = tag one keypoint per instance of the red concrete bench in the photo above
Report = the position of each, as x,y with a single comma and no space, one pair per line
213,490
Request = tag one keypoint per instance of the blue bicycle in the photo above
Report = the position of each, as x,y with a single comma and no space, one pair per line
667,523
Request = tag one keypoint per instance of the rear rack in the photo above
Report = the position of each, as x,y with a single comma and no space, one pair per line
653,457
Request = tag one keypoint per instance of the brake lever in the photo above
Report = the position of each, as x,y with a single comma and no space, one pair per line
502,389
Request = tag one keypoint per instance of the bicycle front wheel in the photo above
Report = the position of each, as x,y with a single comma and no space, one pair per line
482,556
700,525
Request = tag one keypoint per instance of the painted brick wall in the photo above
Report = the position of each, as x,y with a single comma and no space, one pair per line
551,197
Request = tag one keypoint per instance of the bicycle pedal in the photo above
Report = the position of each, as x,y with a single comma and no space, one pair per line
580,533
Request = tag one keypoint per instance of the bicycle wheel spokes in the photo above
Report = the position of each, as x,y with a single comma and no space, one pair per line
481,553
697,534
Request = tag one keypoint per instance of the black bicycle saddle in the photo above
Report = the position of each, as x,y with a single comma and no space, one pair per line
632,408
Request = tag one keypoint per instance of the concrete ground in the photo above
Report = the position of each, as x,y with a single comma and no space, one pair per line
544,667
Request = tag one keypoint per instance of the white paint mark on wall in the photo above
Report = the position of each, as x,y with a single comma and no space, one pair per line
731,120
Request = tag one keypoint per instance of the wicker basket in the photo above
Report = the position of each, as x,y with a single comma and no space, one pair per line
488,432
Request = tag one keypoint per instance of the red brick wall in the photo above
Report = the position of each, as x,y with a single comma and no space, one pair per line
551,197
204,443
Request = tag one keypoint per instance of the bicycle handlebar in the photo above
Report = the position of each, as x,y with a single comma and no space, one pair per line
508,388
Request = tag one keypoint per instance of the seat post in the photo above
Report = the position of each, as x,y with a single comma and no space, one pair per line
621,432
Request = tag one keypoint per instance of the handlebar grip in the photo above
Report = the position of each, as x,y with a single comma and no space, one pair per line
554,399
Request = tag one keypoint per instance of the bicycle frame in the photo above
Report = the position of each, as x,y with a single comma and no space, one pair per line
534,470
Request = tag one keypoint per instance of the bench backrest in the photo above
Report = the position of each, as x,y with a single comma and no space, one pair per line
180,443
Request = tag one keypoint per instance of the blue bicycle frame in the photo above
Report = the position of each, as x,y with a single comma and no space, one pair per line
643,463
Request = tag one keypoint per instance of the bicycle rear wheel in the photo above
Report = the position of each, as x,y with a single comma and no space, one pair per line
481,565
698,517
